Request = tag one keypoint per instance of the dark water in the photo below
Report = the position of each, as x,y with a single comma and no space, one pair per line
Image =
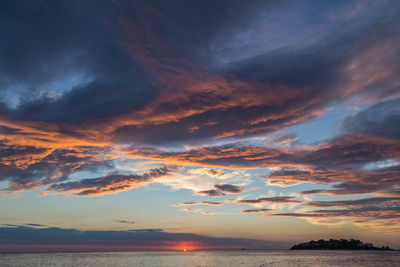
207,258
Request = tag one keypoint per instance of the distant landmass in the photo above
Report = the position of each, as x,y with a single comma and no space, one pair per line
339,244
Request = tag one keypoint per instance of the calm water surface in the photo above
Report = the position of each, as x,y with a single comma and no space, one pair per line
207,258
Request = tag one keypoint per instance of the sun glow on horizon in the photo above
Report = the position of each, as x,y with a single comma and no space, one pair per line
186,246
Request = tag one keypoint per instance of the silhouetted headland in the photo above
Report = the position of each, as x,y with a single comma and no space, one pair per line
341,244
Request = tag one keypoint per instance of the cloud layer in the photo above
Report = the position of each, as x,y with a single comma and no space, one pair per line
24,238
205,96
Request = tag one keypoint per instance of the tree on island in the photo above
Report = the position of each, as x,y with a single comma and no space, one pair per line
338,244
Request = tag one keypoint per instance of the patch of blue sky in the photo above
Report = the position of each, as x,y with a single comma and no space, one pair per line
323,127
79,175
381,164
61,86
135,165
14,94
3,186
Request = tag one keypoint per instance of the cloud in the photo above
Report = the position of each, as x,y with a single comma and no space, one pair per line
381,119
256,210
126,222
201,179
209,213
191,210
36,239
68,79
279,199
35,225
341,160
290,214
110,184
39,167
212,203
115,80
166,90
229,188
277,92
73,107
208,172
201,211
186,84
383,212
380,181
221,190
211,193
225,156
354,149
382,217
356,203
289,176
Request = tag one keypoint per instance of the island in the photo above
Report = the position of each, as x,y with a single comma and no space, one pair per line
337,244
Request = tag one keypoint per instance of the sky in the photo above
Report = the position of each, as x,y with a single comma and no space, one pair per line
198,124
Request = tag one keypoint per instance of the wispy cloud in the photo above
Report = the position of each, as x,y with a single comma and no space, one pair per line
212,203
110,184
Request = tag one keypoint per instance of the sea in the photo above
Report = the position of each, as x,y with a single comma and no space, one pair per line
220,258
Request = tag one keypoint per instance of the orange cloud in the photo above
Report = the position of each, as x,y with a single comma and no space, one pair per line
110,184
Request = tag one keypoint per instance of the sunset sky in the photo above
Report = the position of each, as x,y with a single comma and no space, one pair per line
198,124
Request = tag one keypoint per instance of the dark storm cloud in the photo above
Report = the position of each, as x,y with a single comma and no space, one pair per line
185,28
60,38
149,66
47,46
280,88
379,119
325,66
12,237
92,102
